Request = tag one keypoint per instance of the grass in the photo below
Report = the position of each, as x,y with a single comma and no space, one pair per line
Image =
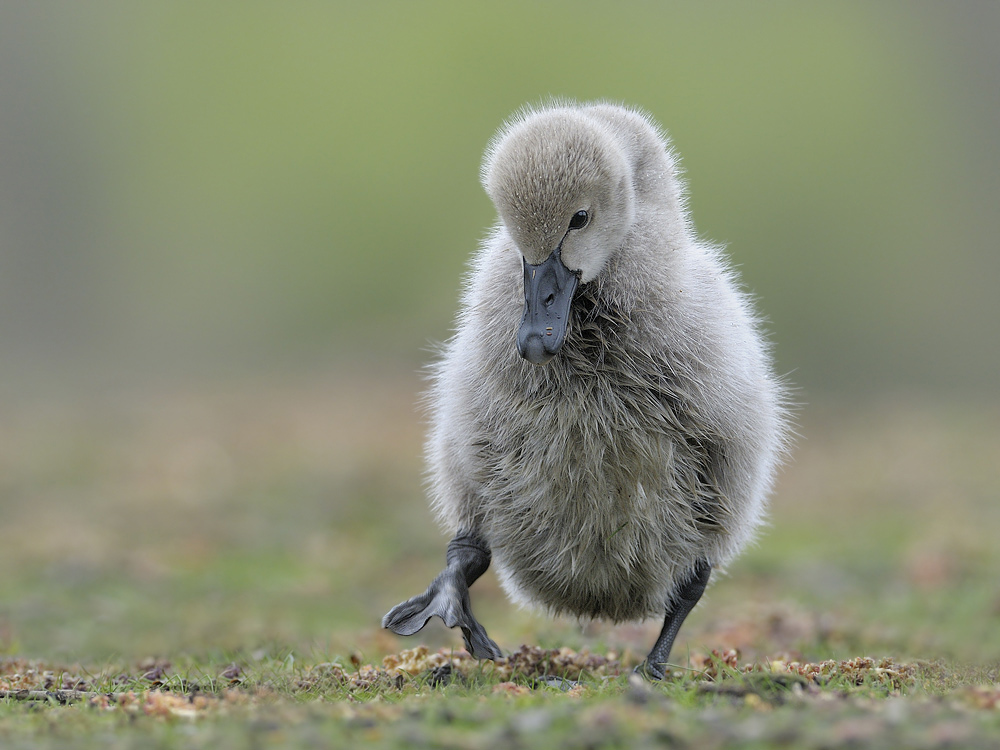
280,702
207,568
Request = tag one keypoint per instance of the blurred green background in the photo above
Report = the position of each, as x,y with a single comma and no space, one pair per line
193,187
229,234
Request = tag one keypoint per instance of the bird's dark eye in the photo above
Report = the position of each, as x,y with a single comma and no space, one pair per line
579,220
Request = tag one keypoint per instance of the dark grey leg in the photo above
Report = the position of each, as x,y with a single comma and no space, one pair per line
448,598
678,609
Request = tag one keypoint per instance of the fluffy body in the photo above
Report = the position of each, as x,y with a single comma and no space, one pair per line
650,442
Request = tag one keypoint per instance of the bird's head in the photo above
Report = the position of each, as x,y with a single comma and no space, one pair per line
563,189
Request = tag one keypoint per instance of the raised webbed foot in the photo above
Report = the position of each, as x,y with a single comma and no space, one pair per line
448,598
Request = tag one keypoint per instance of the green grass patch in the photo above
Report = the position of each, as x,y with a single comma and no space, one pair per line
210,570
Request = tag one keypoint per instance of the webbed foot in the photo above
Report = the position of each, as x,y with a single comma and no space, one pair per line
650,671
448,598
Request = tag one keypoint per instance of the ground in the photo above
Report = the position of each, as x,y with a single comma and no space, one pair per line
207,567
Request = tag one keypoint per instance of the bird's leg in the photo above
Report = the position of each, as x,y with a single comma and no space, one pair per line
448,597
677,610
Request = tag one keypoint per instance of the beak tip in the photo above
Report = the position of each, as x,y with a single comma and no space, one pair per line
533,349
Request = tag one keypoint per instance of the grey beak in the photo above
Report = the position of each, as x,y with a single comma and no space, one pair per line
548,293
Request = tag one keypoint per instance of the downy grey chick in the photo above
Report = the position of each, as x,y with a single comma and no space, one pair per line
605,422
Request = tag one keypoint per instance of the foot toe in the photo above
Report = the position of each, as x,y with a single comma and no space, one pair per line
479,644
650,671
407,618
